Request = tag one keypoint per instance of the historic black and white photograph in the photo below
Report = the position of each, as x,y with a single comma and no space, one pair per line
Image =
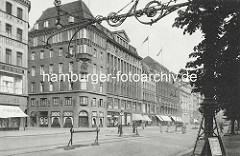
120,77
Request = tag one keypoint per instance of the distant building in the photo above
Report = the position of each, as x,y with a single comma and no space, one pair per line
150,106
13,62
167,93
189,103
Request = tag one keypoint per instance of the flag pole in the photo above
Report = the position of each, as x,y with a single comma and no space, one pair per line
148,45
162,57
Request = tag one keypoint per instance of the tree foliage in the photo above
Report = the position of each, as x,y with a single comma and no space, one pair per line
217,56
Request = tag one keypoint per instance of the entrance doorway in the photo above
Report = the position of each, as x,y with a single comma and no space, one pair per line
83,119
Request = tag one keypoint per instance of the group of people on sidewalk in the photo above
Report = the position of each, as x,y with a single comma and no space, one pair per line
183,127
143,125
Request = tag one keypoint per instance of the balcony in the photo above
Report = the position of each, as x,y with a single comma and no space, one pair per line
85,57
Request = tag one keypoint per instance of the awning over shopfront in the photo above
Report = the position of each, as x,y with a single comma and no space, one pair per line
179,119
146,118
176,119
159,117
137,117
11,112
165,118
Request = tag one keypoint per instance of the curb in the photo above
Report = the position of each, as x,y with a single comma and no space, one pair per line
29,135
185,152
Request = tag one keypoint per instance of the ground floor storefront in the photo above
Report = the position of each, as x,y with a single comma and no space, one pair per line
114,119
11,118
67,119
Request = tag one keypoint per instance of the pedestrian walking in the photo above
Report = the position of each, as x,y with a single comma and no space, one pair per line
136,129
133,126
143,124
184,128
160,126
119,129
221,127
167,126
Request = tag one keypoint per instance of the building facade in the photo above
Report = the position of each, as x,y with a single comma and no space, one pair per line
123,95
13,62
150,106
167,93
88,102
189,103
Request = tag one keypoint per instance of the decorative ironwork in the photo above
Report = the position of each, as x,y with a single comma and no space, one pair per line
153,11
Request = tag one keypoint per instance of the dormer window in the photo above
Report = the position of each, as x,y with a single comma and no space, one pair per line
36,26
71,19
46,24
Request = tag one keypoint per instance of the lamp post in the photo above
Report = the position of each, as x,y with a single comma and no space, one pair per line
121,114
208,108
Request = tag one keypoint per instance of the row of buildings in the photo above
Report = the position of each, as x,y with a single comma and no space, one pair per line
27,68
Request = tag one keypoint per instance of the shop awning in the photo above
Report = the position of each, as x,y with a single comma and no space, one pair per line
179,119
137,117
165,118
176,119
146,118
11,112
158,116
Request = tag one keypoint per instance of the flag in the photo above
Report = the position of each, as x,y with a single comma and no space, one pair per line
159,52
145,40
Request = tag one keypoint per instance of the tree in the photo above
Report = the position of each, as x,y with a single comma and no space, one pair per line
216,57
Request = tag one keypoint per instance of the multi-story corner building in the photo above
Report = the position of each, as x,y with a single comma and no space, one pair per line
13,62
89,102
66,101
150,107
167,94
124,95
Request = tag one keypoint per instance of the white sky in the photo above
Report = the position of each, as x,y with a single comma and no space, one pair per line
175,46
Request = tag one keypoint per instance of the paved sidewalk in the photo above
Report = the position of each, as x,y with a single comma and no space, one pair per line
34,131
232,144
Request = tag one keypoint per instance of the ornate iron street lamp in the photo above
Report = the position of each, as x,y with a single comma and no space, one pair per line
153,11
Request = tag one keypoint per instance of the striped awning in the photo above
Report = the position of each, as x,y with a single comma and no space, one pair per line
159,117
146,118
11,112
165,118
176,119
